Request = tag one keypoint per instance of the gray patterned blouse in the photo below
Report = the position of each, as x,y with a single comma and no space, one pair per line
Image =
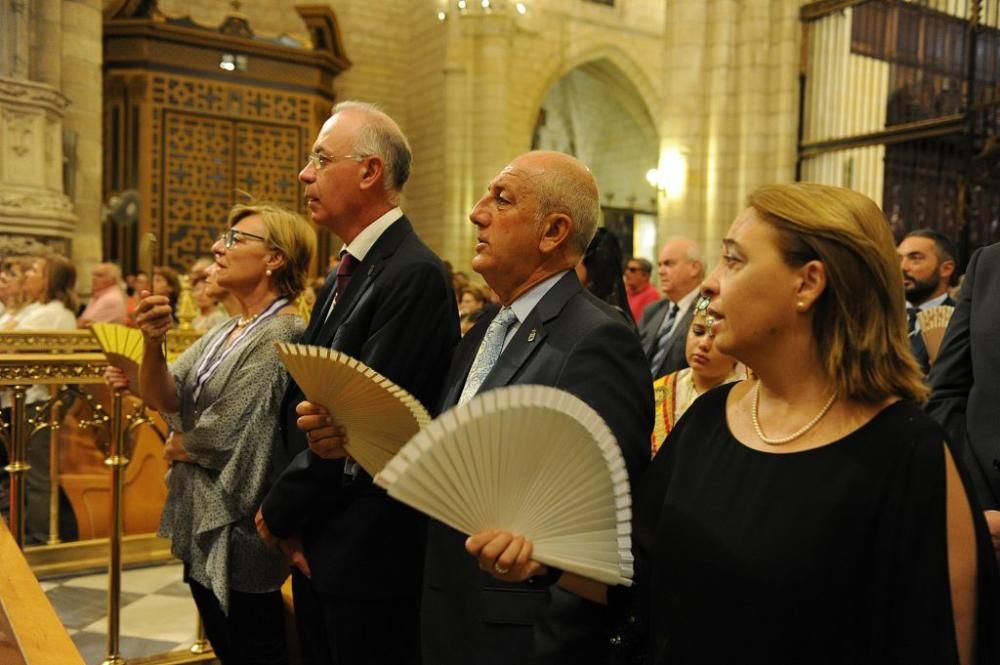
229,434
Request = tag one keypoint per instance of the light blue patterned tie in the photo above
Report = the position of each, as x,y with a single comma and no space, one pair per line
489,351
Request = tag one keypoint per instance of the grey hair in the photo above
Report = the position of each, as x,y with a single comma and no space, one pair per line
567,192
381,137
693,252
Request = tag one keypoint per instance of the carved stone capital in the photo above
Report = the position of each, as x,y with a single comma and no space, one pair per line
19,92
35,203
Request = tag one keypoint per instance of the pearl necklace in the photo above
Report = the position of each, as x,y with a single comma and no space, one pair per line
794,435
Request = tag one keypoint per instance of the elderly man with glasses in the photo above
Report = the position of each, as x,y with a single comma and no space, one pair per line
358,555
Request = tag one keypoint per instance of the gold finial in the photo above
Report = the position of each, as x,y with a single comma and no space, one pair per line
187,311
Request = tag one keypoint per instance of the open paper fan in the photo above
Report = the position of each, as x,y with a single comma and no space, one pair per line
121,344
531,460
933,322
378,415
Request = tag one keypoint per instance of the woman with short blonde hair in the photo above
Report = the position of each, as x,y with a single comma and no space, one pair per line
224,396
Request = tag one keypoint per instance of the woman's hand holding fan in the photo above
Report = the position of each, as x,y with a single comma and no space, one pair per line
123,348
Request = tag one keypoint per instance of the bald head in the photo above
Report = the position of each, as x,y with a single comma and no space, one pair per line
562,184
536,219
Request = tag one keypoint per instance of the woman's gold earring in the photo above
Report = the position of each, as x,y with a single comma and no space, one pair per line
268,273
800,305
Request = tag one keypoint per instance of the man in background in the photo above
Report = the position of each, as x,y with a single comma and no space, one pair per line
107,299
927,259
640,292
664,325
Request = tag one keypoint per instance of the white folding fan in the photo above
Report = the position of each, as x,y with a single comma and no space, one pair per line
121,344
532,460
933,322
378,415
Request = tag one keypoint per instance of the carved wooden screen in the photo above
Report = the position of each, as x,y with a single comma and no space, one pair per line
198,118
211,143
900,102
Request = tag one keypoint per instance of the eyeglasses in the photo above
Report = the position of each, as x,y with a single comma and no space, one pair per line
634,269
230,237
320,162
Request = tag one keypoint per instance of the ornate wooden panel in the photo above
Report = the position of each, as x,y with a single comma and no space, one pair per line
213,145
194,136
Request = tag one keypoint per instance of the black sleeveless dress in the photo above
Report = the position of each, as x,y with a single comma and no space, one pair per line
831,555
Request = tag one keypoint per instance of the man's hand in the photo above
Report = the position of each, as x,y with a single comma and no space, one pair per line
262,530
292,548
503,555
325,438
993,523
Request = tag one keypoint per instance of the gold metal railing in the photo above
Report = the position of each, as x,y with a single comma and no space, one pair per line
52,360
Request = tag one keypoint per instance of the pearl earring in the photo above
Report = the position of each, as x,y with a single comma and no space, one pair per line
268,273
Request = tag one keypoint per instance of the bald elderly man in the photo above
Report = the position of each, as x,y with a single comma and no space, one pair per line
532,227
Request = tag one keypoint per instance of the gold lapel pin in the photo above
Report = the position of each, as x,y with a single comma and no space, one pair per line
531,335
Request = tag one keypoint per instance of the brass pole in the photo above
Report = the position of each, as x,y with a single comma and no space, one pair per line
117,461
201,644
17,466
54,466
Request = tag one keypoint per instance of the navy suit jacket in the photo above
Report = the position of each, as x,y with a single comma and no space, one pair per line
398,316
965,378
572,341
649,327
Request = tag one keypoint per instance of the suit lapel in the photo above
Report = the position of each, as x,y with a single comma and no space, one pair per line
317,318
531,334
649,342
363,278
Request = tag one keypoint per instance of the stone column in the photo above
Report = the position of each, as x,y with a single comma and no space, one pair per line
33,205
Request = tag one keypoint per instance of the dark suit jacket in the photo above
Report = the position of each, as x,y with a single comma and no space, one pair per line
575,342
398,316
652,319
965,378
918,347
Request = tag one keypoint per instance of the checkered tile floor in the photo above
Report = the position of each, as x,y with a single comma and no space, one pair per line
157,612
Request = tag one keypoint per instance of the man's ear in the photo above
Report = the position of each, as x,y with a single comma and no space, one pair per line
373,173
946,269
556,230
